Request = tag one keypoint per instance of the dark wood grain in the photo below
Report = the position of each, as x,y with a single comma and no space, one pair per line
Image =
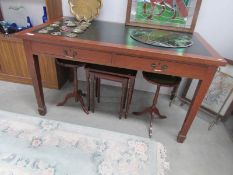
1,16
110,44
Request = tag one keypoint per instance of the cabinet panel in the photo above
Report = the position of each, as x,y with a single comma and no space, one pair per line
48,71
13,60
13,64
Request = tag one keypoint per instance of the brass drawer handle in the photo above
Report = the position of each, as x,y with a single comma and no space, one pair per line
70,57
153,66
163,67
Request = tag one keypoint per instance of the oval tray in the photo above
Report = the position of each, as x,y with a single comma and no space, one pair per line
162,38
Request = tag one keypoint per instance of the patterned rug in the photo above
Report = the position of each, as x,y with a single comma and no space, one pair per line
34,146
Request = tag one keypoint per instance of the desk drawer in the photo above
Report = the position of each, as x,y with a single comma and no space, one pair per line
158,66
70,53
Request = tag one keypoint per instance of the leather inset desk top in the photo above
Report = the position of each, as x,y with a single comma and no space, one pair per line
116,33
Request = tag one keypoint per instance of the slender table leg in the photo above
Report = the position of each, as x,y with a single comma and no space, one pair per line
199,95
34,68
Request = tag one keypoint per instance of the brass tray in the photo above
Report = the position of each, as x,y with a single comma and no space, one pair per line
85,10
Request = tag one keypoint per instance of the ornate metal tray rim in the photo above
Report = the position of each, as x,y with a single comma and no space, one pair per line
91,14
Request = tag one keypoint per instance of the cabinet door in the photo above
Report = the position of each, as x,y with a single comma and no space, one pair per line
48,71
13,59
13,64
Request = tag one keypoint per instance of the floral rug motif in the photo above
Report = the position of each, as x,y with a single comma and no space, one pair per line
35,146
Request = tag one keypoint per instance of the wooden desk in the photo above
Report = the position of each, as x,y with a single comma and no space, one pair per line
110,44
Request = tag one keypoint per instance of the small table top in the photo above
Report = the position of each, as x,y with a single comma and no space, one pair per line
117,36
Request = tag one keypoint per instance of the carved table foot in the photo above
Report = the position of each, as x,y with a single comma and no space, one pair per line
181,138
42,111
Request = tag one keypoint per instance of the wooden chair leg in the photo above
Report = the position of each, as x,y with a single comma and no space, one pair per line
152,109
156,111
92,92
173,95
75,82
76,94
147,110
133,83
67,97
123,96
129,97
80,99
96,87
156,96
98,90
88,89
75,87
125,93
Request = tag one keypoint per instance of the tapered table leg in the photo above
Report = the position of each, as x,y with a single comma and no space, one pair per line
199,95
34,68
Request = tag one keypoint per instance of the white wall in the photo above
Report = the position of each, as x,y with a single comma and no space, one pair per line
216,26
18,10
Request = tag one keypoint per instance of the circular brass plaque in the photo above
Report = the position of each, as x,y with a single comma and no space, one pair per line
85,10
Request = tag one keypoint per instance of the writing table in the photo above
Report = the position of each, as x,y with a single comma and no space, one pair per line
110,44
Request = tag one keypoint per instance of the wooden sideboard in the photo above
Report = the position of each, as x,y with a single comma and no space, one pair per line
110,44
13,63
